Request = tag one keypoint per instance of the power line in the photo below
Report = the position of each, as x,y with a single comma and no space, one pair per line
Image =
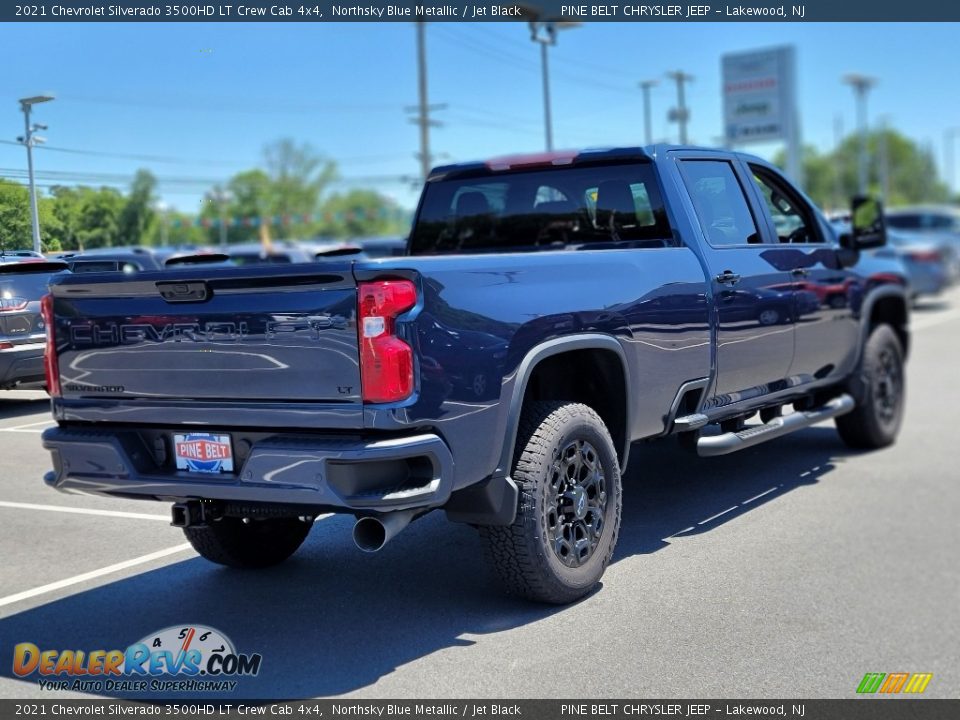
356,160
54,177
626,74
518,62
248,105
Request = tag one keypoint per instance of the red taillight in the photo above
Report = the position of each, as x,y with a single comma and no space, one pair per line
51,369
386,361
924,256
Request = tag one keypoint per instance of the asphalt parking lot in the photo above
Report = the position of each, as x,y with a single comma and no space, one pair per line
789,570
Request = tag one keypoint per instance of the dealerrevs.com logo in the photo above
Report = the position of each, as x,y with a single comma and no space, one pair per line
182,658
894,683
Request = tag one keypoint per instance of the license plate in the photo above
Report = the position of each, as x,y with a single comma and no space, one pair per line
203,452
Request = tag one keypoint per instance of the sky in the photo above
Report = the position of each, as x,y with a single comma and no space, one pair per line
196,102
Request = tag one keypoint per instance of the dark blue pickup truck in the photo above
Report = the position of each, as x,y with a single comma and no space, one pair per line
550,311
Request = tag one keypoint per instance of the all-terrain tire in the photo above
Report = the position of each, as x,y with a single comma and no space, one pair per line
568,514
879,389
255,544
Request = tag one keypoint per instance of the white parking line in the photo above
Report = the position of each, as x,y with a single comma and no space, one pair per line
76,579
46,421
84,511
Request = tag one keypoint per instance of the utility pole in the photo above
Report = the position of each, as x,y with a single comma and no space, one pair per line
839,201
423,109
645,86
680,114
861,85
30,139
221,197
164,210
949,135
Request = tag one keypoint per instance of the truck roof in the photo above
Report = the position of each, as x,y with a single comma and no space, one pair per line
526,161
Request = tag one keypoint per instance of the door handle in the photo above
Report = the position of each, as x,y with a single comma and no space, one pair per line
800,272
728,278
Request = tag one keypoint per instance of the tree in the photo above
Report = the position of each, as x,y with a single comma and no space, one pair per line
360,213
299,175
831,179
100,210
138,214
15,231
254,196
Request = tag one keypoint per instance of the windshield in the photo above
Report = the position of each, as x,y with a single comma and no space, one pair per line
542,210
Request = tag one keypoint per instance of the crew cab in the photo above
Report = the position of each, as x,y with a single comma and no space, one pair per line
601,297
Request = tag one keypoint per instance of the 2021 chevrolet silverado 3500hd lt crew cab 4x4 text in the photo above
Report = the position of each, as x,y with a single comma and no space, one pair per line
550,311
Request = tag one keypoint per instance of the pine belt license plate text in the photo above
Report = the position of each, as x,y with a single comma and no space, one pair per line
203,452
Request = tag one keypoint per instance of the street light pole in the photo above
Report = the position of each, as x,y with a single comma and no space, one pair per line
861,85
547,120
680,113
645,86
545,33
884,157
29,140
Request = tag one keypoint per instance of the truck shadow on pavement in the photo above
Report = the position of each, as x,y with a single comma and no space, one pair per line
17,406
333,620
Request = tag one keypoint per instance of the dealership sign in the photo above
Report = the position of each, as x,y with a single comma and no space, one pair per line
759,95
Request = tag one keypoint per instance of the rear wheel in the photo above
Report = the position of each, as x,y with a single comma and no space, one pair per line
248,542
568,517
879,389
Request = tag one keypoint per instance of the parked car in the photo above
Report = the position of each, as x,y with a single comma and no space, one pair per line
23,283
382,246
116,260
929,264
939,224
279,253
335,250
925,218
16,255
257,398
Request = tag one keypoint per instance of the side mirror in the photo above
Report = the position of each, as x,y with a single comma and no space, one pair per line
867,227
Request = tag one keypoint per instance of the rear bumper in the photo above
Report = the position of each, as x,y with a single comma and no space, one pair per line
335,474
22,365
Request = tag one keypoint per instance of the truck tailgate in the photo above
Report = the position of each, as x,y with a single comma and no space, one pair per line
244,334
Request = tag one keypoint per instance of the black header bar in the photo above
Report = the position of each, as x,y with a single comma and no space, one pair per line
480,11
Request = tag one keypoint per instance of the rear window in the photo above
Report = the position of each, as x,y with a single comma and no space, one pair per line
28,286
258,259
561,208
91,266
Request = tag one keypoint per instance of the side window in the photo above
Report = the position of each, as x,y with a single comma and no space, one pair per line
720,203
791,217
